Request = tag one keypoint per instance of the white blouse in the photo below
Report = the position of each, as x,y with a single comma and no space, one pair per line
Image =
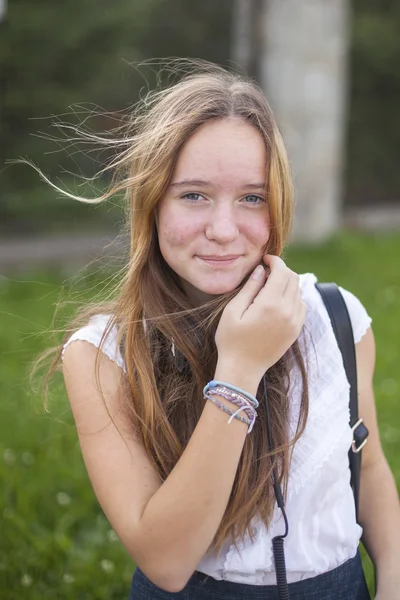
323,532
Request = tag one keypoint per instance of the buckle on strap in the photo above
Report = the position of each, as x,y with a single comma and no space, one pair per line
360,436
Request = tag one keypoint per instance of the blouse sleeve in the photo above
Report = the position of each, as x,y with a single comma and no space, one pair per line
360,319
93,333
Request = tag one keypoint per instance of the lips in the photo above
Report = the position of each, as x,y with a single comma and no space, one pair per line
219,261
215,258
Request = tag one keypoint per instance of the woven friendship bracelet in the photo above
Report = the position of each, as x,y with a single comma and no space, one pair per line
250,412
232,390
234,415
241,402
229,411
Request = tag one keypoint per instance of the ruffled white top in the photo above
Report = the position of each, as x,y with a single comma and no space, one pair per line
323,532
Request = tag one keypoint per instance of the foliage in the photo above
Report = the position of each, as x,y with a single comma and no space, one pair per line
55,56
58,59
51,59
55,542
373,141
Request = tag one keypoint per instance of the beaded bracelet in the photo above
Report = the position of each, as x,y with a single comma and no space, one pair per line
232,390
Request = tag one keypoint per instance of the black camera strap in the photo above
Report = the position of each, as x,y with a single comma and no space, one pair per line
341,324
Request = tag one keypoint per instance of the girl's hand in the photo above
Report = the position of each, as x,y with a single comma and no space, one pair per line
261,323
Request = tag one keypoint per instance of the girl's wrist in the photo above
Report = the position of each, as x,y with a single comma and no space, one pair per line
235,376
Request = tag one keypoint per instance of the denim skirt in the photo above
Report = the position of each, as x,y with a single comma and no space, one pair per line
346,582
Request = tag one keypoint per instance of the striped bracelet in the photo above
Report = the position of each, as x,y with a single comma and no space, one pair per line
243,405
234,391
229,411
247,406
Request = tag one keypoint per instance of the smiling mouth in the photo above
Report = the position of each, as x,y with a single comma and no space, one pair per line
218,261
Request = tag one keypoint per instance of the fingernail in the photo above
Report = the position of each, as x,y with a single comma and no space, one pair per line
258,271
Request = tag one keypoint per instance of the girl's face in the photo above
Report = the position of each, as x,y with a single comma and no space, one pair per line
213,222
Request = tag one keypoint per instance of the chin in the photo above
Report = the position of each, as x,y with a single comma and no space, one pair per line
210,287
217,289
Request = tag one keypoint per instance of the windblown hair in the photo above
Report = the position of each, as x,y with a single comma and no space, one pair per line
164,397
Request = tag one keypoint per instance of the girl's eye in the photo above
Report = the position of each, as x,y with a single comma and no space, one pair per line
192,196
253,199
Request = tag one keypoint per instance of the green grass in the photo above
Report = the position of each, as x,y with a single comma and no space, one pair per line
54,541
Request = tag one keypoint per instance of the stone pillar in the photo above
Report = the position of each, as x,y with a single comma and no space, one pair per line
246,40
3,9
241,34
303,70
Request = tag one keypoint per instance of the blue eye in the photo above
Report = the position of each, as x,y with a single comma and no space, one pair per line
253,199
192,196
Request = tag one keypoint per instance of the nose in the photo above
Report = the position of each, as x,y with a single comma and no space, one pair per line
222,226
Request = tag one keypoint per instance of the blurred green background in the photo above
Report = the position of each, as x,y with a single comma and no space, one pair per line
55,542
72,58
78,60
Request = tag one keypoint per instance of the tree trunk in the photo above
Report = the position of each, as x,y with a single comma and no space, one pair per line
303,71
3,9
241,34
246,35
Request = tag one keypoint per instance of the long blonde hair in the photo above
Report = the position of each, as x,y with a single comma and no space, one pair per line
150,309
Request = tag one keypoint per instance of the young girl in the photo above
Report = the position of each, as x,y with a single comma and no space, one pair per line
170,384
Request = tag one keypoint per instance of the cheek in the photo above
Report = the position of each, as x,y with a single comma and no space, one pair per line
258,232
176,231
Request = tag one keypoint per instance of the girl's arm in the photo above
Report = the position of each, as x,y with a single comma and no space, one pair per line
168,526
165,526
379,510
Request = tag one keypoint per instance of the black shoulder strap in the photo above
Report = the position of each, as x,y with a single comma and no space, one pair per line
341,324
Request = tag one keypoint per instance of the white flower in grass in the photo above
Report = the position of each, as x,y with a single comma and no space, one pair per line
27,458
112,536
9,457
63,499
26,580
107,565
68,578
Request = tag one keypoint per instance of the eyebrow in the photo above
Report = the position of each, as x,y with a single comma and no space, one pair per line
202,182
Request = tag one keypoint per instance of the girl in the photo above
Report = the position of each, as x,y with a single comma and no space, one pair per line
170,384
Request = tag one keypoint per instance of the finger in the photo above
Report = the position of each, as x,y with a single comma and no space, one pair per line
277,279
273,261
292,287
241,302
298,298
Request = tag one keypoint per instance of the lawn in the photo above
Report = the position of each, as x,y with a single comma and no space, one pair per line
55,541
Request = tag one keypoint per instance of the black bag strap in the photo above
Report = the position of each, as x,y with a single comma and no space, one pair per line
341,324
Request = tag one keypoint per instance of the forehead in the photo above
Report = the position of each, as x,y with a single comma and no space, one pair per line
224,151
